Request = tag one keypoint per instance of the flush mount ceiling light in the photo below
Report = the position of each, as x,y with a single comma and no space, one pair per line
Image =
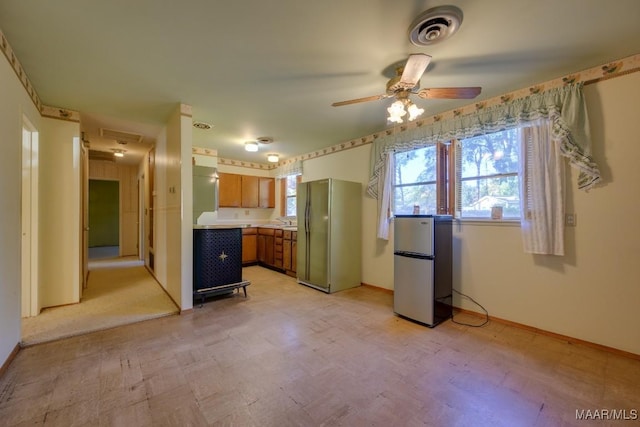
251,146
273,158
434,25
118,152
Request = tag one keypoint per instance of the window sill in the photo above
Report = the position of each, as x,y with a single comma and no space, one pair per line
488,222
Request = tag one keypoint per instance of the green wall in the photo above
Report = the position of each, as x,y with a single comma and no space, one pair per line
104,208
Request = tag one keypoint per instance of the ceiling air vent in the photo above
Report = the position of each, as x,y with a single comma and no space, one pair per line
435,25
125,137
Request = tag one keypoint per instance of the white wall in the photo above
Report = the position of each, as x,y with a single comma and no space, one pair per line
59,213
14,103
173,211
593,291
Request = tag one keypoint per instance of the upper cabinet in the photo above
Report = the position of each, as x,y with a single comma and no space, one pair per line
229,190
246,191
267,193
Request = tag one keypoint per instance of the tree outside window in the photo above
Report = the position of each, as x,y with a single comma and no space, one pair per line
488,174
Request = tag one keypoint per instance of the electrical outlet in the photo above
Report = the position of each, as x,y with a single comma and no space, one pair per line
570,219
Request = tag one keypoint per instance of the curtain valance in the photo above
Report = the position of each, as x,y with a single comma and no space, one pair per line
564,106
292,168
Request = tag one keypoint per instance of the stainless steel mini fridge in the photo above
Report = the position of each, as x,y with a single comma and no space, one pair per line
422,267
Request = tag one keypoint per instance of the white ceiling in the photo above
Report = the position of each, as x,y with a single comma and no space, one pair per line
272,68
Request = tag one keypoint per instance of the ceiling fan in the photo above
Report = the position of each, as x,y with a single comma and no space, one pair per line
407,80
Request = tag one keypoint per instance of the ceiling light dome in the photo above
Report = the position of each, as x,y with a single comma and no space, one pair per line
273,158
251,146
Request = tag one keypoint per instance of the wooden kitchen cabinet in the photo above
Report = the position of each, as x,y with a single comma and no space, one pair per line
249,245
267,192
250,191
266,249
246,191
229,190
289,252
277,248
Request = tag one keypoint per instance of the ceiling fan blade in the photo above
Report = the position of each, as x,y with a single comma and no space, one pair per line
357,100
414,68
449,92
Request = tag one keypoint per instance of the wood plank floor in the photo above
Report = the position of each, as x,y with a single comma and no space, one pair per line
289,355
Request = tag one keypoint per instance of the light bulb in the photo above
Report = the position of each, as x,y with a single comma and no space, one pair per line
251,146
414,111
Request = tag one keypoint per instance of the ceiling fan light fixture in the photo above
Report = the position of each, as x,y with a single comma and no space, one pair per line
396,112
414,111
251,146
273,158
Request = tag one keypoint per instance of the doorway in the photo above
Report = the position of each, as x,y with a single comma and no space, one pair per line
104,219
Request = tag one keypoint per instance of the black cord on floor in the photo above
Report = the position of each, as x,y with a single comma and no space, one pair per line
486,313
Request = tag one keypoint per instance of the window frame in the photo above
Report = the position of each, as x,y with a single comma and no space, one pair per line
283,193
444,180
449,180
459,180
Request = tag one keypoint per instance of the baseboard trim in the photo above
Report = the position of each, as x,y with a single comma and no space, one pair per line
377,288
550,334
163,289
7,362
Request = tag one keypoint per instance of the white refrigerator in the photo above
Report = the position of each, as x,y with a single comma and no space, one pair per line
422,267
329,238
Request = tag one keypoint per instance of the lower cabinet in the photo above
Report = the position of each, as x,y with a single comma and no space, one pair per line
289,252
249,245
265,246
276,249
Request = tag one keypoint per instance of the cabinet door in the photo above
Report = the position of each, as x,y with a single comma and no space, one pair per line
250,191
230,192
262,248
269,252
294,256
249,248
267,193
286,254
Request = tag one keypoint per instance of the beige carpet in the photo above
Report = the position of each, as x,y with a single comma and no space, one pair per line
114,296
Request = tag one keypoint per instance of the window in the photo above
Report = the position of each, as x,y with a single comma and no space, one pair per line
288,194
487,173
421,181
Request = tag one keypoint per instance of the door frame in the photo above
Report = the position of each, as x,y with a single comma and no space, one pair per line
29,219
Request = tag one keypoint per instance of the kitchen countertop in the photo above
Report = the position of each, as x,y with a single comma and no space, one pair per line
215,226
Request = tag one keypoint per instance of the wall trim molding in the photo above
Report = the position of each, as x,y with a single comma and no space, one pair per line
12,355
568,339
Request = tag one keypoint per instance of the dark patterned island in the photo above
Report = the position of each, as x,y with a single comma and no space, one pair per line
217,261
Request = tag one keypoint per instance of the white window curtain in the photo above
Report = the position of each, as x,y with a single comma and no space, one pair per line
289,168
385,191
564,107
542,190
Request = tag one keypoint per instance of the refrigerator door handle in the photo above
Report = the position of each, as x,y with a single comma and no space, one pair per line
414,255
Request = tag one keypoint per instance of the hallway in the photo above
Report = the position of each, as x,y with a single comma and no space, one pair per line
119,292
